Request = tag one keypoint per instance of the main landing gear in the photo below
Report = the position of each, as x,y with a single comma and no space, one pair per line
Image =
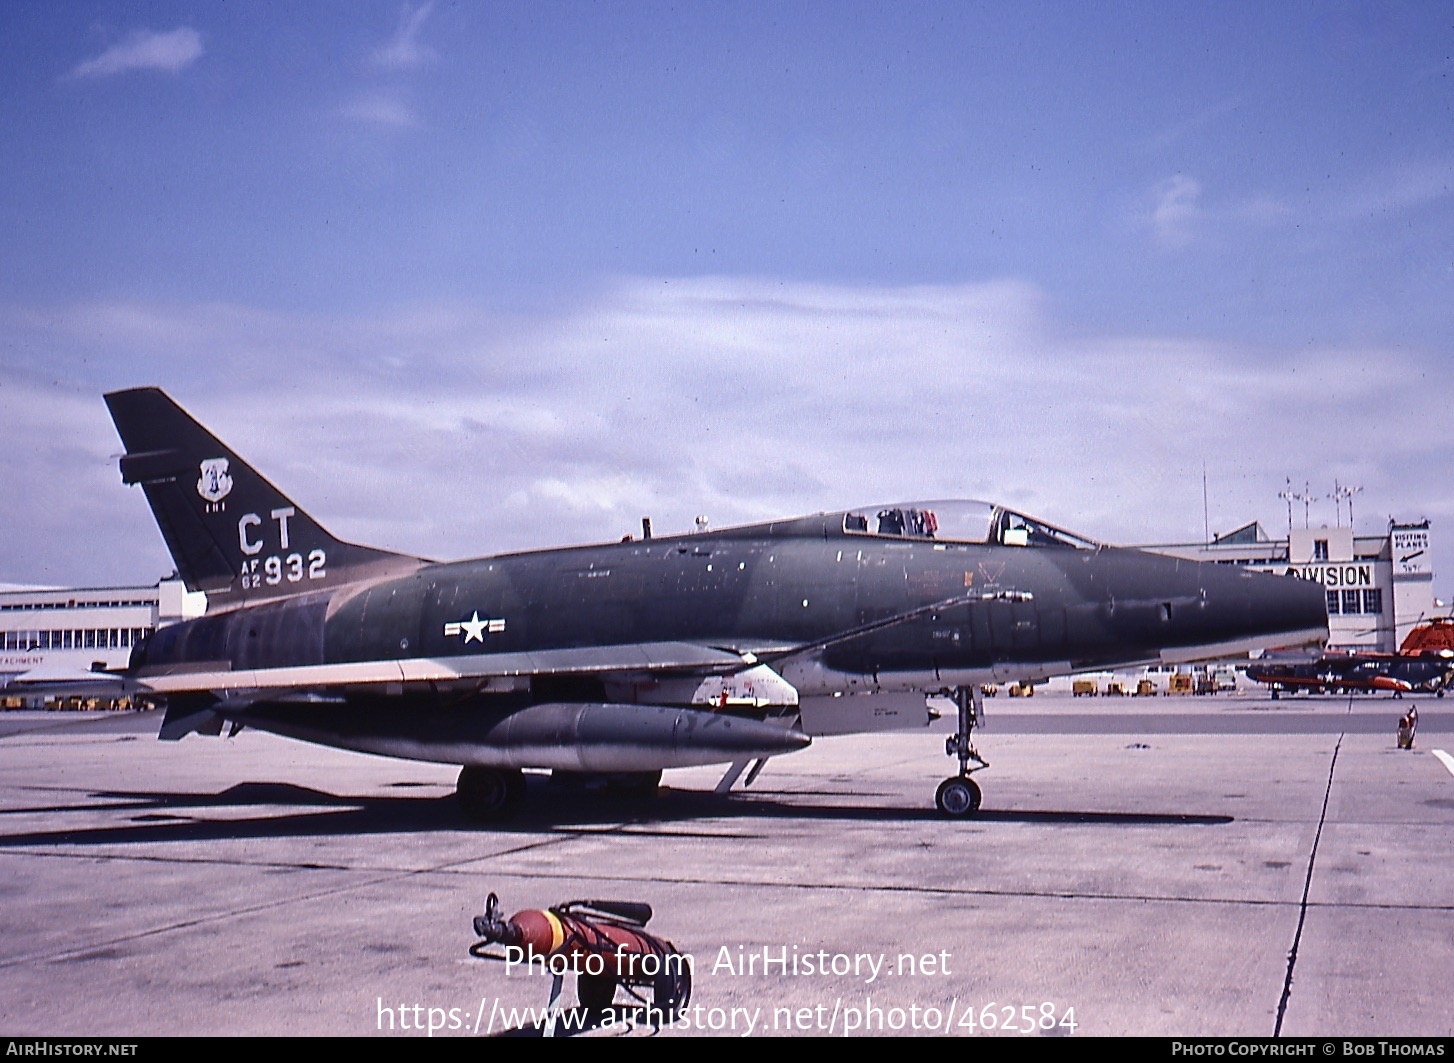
489,795
959,795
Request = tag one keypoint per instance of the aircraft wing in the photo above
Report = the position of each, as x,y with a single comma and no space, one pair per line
625,659
632,658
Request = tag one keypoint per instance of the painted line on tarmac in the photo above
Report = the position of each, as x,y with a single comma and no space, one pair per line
1445,759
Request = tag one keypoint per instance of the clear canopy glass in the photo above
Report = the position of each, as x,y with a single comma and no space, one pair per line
960,521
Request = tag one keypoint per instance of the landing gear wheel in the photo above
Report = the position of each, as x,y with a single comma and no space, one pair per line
489,795
958,796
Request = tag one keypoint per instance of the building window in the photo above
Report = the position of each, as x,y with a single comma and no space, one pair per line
1320,549
1332,603
1373,601
1350,601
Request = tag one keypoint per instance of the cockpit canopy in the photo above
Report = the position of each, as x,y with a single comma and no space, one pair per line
960,522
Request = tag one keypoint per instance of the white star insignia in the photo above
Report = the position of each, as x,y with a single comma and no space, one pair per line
474,628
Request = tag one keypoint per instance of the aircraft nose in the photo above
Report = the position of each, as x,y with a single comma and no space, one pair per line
1279,611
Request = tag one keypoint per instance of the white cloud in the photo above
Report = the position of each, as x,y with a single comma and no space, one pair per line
404,49
449,431
169,52
1177,210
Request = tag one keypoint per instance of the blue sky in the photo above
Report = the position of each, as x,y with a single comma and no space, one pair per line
469,277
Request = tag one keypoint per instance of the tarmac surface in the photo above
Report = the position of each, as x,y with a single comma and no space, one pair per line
1226,866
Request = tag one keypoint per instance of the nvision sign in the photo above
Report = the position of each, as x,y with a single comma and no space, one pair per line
1335,575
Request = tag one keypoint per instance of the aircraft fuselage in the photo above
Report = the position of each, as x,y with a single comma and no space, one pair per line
1006,611
633,657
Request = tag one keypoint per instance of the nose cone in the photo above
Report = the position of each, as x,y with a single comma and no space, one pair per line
1296,609
1241,611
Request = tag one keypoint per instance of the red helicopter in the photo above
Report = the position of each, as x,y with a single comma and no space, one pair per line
1423,664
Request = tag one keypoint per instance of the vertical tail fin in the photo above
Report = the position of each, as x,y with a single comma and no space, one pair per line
231,533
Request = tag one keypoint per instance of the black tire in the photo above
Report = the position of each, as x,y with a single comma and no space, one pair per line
489,795
958,797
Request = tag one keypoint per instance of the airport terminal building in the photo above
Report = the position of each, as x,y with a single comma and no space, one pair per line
62,632
1378,586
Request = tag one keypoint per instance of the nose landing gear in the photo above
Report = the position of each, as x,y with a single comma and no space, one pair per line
959,796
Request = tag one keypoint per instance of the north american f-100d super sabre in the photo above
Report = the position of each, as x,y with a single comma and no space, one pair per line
619,660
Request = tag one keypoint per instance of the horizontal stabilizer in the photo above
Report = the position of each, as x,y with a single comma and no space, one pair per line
104,681
57,682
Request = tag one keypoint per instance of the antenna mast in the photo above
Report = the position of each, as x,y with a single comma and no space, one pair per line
1348,493
1206,513
1306,498
1286,493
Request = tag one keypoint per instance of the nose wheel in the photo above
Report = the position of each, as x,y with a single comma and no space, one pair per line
959,796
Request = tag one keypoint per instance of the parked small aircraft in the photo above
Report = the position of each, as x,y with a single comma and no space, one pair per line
1423,664
622,659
